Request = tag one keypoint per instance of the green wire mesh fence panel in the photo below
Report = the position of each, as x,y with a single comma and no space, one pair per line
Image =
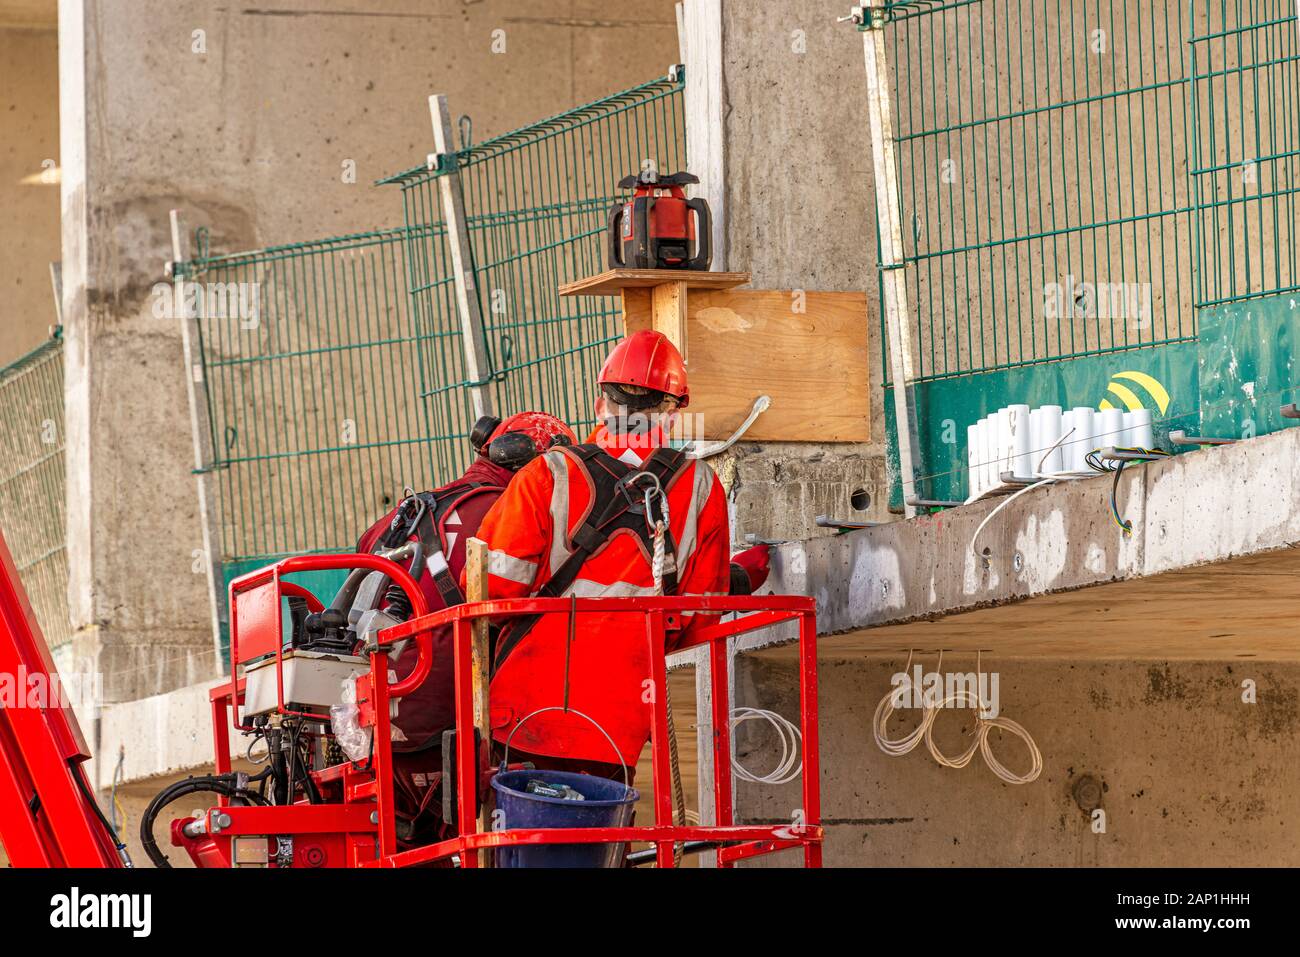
536,206
314,363
32,483
1245,148
1043,178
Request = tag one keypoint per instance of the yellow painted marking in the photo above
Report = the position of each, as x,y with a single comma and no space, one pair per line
1125,395
1149,383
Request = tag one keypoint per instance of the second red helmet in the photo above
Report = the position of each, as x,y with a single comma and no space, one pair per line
648,359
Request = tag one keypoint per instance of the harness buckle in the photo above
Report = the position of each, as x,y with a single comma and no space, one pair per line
636,492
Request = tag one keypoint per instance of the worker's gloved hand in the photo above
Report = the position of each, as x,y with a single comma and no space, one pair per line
749,569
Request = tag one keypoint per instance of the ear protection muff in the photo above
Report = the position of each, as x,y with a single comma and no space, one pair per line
514,450
483,429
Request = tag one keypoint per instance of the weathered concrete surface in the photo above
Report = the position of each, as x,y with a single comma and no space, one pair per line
1186,773
159,735
29,147
1190,510
1128,660
243,117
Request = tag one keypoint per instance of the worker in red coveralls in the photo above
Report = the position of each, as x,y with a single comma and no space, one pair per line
442,520
578,520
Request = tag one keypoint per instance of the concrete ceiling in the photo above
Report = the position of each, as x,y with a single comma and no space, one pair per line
29,14
1244,608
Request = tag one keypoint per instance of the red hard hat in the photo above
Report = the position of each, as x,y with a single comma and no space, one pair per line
538,426
650,360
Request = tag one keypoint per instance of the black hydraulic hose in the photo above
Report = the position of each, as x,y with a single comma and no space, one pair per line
223,784
80,778
345,595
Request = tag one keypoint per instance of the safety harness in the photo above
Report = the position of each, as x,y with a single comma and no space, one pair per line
624,497
423,514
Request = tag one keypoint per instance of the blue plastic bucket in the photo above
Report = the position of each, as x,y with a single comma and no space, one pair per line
608,804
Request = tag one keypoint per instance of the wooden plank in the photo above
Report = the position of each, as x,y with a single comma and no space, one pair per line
700,33
612,281
812,363
668,304
898,316
476,589
473,339
638,309
201,432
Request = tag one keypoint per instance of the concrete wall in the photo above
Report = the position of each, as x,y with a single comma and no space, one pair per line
1187,774
244,118
800,214
29,149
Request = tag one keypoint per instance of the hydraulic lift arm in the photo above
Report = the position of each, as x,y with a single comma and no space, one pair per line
48,817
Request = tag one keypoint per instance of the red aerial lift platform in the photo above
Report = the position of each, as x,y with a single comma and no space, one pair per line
48,817
356,826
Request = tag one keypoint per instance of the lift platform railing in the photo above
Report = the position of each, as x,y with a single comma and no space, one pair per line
363,827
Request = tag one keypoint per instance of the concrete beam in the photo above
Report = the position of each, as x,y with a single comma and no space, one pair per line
1192,510
158,736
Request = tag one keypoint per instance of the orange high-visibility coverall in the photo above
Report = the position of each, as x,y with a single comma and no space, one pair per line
528,536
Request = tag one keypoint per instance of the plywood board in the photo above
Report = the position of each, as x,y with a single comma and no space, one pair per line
613,281
808,353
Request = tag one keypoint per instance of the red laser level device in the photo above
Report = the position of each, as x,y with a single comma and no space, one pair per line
655,228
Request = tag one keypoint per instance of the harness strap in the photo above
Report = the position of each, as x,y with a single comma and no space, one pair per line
618,503
426,525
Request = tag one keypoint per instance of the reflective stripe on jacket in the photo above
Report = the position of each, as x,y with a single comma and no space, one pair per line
528,538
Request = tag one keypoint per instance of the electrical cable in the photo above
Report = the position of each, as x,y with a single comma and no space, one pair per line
1001,505
698,451
889,704
790,766
925,730
961,699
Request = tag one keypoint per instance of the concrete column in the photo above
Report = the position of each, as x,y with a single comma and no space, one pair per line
265,126
776,127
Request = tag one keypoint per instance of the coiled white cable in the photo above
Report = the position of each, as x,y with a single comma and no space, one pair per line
962,699
790,765
1036,756
888,705
925,730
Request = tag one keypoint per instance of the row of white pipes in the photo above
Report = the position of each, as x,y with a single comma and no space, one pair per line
1047,441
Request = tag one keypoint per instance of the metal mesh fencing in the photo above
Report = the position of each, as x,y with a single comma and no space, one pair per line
314,364
335,370
32,483
1244,69
1042,160
536,207
1067,170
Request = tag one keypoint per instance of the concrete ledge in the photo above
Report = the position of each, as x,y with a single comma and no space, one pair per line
1193,509
164,734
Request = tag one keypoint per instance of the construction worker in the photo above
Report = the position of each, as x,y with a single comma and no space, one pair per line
442,520
578,520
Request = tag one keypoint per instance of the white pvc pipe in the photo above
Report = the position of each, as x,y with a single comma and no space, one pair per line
974,471
1081,443
1143,430
1021,464
1050,420
1109,428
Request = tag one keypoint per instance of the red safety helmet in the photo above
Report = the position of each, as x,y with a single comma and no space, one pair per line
541,427
530,434
650,360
